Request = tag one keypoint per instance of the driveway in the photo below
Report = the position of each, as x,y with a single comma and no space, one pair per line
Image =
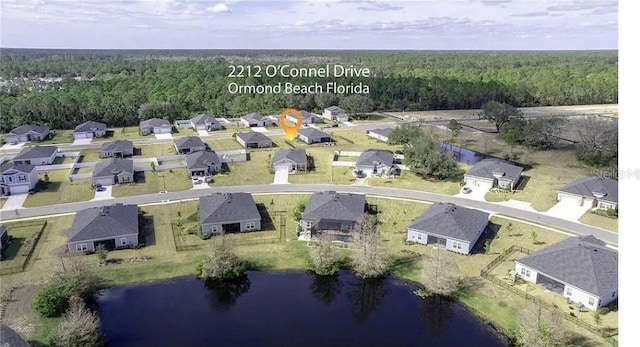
16,146
105,194
14,202
349,124
260,129
203,133
201,185
163,136
567,210
80,142
223,120
477,193
282,174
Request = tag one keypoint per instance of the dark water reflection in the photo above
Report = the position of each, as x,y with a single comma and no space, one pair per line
285,309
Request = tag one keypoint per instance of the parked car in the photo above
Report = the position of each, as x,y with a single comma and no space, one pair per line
99,187
360,174
198,181
13,143
466,190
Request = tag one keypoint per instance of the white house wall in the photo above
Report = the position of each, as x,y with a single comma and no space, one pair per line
533,275
473,181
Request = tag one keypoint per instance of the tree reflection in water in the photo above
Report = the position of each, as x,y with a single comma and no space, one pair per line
325,288
436,313
224,294
366,296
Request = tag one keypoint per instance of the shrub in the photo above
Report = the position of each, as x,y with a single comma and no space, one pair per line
603,310
205,236
51,301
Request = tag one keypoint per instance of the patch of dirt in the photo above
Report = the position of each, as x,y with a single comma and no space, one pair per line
16,310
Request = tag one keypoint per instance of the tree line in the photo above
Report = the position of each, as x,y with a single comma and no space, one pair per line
117,87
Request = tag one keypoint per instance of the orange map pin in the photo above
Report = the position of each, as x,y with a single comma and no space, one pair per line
290,130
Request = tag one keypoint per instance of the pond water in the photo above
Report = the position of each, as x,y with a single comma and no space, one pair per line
286,309
462,155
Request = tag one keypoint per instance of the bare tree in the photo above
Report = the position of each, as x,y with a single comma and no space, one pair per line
79,327
371,260
597,141
540,328
220,261
324,257
77,276
441,274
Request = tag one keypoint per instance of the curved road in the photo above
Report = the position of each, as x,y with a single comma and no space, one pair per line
534,217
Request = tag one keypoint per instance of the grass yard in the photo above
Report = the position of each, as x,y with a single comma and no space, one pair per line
153,182
324,172
56,136
89,156
23,238
83,170
59,190
253,171
186,132
408,180
539,186
223,144
63,160
157,150
126,133
599,221
2,201
360,141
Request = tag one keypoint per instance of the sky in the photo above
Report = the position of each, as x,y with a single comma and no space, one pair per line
318,24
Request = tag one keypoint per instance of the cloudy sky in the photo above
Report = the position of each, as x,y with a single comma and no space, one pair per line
318,24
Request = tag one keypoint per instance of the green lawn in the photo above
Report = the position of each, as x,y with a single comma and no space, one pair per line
408,180
253,171
324,172
157,150
63,160
56,136
223,144
2,201
59,190
154,182
599,221
23,236
126,133
89,156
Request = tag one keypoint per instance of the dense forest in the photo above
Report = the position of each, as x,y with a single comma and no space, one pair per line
62,88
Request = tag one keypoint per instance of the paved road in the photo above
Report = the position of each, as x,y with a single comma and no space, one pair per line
538,218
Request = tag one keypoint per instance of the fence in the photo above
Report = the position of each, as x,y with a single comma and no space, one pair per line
486,274
348,153
32,247
344,163
234,159
232,152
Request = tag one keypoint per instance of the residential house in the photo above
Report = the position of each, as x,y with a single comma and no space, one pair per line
17,178
493,173
189,144
377,162
455,227
114,226
335,114
155,126
252,139
203,163
582,269
89,130
10,338
4,237
229,213
113,171
37,155
26,133
307,118
313,135
294,159
254,120
205,122
332,213
117,149
380,134
596,192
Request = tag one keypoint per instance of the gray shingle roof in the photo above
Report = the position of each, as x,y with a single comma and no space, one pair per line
90,126
451,221
27,168
298,156
254,117
375,157
228,208
118,145
111,167
104,222
252,136
155,122
311,133
334,108
202,119
495,168
202,159
335,206
23,129
583,262
10,338
600,187
36,152
382,131
189,142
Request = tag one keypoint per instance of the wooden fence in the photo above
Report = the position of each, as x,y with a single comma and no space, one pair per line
486,274
32,246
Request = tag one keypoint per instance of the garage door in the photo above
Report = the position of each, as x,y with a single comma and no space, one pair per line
21,189
479,184
82,136
570,199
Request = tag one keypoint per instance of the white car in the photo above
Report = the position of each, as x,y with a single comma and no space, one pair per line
466,190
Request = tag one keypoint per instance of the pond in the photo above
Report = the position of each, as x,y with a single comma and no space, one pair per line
462,155
286,309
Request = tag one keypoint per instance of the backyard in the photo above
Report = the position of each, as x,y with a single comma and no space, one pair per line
150,182
59,190
253,171
154,151
222,144
600,221
24,236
